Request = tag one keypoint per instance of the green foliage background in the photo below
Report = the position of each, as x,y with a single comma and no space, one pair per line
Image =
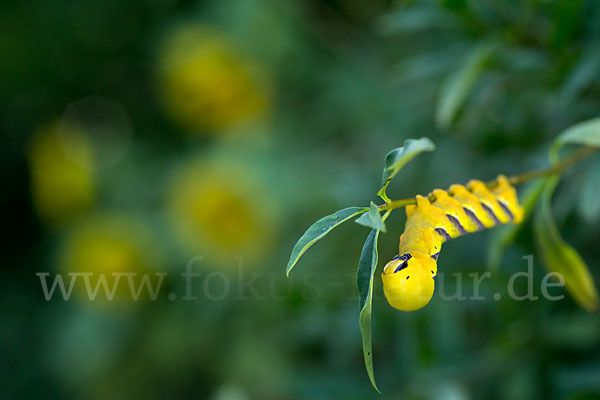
490,82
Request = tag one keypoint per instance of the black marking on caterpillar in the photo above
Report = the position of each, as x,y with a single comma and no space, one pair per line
491,213
456,224
405,257
506,209
401,267
442,232
435,256
474,218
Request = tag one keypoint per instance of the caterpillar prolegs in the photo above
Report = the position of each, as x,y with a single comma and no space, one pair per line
408,278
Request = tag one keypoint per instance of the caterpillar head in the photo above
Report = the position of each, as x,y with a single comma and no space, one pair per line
408,280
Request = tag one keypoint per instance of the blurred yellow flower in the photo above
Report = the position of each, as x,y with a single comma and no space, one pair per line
207,85
219,211
62,183
109,244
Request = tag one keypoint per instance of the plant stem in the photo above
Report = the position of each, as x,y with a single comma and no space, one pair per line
557,168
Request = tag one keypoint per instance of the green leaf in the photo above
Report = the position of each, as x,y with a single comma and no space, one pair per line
589,206
372,219
318,230
559,257
457,87
584,133
414,20
396,159
583,73
504,235
364,280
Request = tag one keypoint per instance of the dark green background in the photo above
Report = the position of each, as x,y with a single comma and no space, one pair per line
351,80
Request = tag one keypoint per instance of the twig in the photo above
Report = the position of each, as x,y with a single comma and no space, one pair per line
557,168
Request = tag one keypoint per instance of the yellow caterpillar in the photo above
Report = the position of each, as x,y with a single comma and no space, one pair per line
408,278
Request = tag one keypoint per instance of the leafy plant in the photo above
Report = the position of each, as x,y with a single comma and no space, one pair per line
557,254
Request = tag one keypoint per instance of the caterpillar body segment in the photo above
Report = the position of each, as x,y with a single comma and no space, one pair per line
455,211
507,198
472,206
489,202
422,221
408,279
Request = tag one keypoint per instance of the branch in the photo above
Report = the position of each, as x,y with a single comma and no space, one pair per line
557,168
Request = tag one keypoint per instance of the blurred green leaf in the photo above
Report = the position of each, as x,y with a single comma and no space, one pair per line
521,59
364,281
559,257
318,230
414,20
584,133
556,253
396,159
457,87
582,75
372,219
504,235
571,331
589,204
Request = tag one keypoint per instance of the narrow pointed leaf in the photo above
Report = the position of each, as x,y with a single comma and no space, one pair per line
584,133
372,219
589,206
364,280
583,74
396,159
559,257
460,84
318,230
